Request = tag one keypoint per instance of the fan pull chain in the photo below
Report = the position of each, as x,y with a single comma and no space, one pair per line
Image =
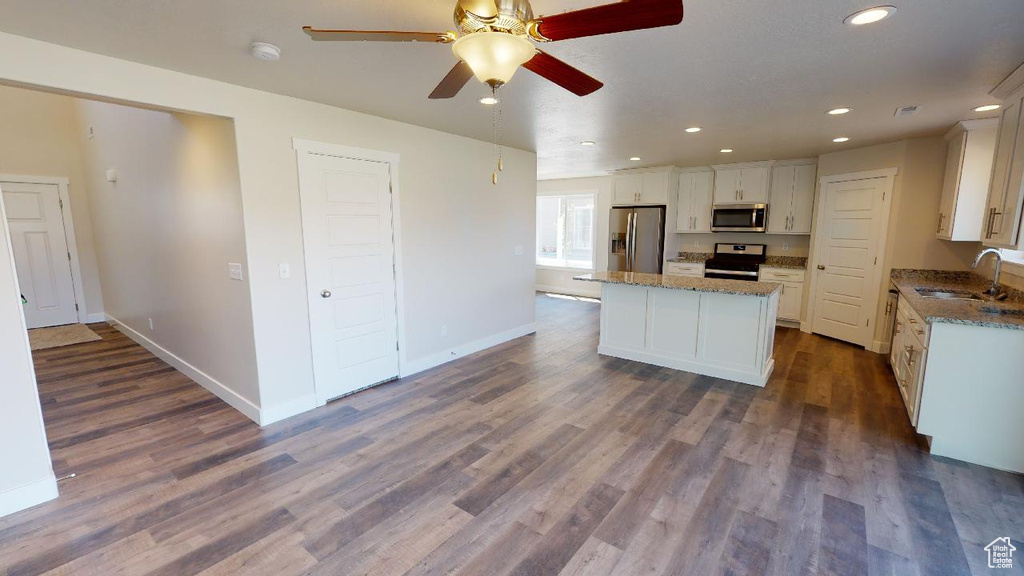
496,135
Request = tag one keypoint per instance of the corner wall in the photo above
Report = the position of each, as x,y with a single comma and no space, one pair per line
26,477
164,234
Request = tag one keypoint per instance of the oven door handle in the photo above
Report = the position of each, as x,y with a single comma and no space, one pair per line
729,272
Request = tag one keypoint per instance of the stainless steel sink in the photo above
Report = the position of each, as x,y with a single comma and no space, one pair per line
947,294
1007,311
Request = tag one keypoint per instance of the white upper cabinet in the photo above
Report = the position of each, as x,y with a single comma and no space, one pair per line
1002,218
693,213
648,187
627,189
791,201
742,183
972,146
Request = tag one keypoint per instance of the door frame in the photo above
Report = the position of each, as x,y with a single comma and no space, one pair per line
818,237
69,231
303,146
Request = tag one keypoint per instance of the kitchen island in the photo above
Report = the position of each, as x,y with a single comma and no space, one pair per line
719,328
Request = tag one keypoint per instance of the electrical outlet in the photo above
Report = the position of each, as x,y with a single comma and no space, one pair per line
696,244
444,330
151,324
785,247
286,270
235,271
518,251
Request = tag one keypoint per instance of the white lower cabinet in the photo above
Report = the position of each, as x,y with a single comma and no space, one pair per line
791,301
689,269
907,357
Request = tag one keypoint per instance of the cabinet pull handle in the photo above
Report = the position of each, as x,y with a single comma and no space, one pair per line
992,213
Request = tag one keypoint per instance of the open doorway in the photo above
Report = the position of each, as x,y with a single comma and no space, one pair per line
129,250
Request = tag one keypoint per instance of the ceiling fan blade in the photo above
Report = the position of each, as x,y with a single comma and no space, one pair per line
546,65
608,19
453,82
377,36
483,8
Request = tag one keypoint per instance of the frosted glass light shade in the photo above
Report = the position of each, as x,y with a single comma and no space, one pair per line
494,56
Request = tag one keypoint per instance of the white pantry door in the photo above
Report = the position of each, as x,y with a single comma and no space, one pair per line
847,259
41,256
350,275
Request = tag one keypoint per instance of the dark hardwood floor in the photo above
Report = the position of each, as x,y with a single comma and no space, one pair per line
537,457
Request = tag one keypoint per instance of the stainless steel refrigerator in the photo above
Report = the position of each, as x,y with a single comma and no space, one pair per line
637,239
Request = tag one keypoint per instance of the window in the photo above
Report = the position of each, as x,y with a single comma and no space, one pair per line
565,231
1013,256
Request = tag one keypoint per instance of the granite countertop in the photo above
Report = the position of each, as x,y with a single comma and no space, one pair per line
740,287
967,312
691,257
794,262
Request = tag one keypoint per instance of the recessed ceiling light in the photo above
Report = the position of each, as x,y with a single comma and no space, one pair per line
587,143
869,16
488,100
265,51
841,139
693,130
987,108
839,111
635,159
726,150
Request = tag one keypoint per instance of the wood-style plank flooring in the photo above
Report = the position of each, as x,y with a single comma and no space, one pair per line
537,457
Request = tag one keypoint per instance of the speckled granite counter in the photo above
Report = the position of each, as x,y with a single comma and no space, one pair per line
691,257
739,287
794,262
966,312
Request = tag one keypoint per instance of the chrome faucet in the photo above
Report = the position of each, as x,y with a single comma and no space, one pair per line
995,290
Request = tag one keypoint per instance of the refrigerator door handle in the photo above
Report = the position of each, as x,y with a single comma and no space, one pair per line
632,267
629,241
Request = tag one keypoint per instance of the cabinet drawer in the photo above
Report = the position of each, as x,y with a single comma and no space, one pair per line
915,324
684,269
781,275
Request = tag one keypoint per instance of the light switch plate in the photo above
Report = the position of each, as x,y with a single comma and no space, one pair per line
111,175
235,271
518,251
286,270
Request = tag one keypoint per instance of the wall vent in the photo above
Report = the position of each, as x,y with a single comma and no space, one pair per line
907,110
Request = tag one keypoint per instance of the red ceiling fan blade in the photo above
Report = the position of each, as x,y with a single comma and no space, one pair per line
453,82
609,19
546,65
377,36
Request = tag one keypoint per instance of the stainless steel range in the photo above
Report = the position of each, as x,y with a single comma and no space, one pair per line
735,262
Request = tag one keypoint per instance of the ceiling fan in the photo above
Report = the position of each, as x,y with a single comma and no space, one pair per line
496,37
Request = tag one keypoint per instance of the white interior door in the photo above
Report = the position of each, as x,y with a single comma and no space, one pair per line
41,254
846,287
350,255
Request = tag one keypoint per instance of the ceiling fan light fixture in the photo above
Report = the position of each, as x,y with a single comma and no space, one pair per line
494,56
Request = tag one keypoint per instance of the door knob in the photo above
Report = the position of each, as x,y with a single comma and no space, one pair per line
821,267
325,293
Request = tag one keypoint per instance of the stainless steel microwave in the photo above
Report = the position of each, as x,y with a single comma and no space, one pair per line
739,218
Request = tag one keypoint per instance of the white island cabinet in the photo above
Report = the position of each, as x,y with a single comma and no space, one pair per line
719,328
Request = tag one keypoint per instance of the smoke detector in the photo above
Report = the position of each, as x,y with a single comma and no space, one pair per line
907,110
265,51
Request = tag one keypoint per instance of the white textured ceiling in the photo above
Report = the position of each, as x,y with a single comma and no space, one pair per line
757,75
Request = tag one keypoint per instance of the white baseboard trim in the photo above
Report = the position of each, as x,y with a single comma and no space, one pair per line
94,318
570,291
419,365
27,496
288,409
880,347
203,379
695,366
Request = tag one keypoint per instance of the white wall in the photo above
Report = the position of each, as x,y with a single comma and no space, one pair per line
560,280
458,232
26,476
39,137
165,233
